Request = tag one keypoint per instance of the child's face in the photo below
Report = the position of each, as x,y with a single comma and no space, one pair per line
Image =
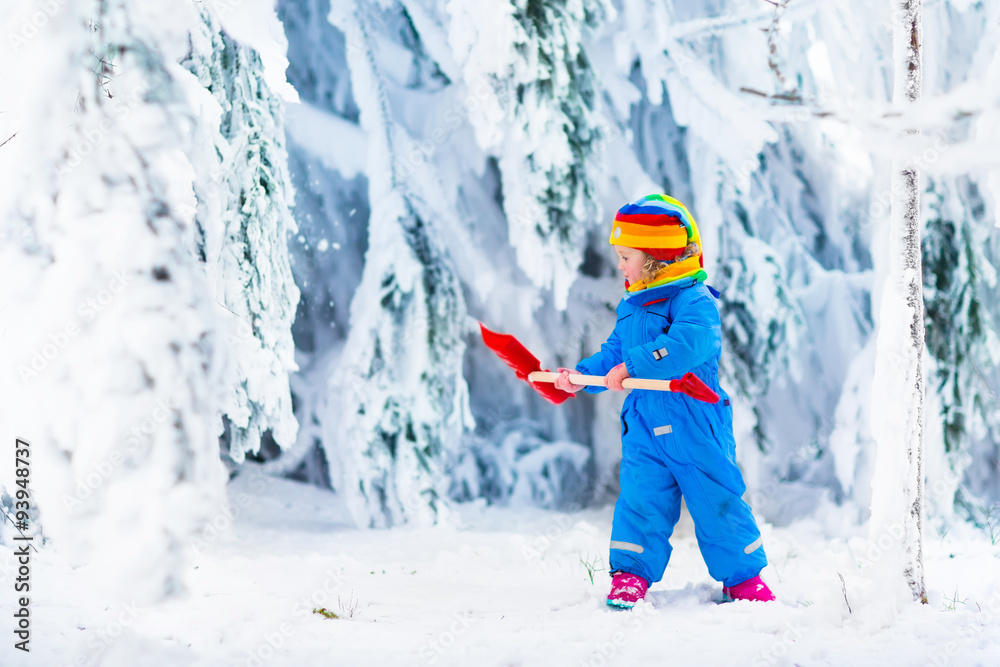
630,263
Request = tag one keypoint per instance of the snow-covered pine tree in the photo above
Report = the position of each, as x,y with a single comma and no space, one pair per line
801,184
525,61
113,371
326,162
959,278
457,187
899,384
760,319
244,220
399,390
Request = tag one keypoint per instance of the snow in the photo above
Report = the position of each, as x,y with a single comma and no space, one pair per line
338,144
254,23
455,161
502,586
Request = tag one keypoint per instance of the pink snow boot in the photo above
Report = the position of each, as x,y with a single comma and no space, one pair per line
751,589
626,590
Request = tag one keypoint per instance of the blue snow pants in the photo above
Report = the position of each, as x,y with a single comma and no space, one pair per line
674,445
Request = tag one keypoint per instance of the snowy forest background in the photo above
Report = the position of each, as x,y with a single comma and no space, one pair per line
274,228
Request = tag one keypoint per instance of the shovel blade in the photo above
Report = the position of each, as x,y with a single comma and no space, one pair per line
523,362
692,385
510,350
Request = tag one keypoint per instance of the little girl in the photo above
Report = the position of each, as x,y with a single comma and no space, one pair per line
672,445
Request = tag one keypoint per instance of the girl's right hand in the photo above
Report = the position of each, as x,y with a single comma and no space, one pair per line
613,380
562,382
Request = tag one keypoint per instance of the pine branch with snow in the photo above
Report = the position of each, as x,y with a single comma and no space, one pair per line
117,341
245,220
527,61
959,278
400,389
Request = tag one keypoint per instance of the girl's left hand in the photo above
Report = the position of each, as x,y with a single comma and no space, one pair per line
562,382
613,380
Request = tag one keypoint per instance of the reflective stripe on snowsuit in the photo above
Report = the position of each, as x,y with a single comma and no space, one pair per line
672,444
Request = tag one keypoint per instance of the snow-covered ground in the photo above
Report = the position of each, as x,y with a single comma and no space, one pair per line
497,586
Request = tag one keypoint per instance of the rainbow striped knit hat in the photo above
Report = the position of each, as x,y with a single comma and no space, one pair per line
662,227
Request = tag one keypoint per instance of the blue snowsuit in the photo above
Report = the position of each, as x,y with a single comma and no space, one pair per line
672,444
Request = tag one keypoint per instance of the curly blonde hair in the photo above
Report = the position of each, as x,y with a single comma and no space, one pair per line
651,267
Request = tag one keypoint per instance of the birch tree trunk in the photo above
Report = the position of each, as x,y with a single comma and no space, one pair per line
898,417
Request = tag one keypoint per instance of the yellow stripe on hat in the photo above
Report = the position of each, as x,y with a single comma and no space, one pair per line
632,235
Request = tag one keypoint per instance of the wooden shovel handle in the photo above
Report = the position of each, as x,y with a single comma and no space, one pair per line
598,381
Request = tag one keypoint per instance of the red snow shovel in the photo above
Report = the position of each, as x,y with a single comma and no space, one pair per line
528,368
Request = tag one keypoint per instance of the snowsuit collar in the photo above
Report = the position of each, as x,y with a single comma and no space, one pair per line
689,267
644,297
